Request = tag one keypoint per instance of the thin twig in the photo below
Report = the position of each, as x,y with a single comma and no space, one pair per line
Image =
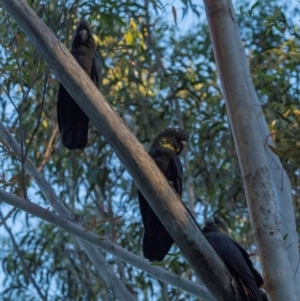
40,114
49,148
4,219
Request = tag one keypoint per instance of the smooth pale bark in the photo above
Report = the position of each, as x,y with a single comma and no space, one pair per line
113,282
249,131
284,203
106,245
162,198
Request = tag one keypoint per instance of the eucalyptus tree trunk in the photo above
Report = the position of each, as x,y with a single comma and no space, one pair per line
267,186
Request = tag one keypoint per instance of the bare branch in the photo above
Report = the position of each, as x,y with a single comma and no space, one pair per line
106,245
111,279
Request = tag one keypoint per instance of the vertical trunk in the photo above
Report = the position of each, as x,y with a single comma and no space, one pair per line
250,130
284,203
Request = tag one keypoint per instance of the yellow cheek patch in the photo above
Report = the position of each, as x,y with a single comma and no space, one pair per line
167,145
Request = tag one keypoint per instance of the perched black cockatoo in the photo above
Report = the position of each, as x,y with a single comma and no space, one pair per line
164,151
236,260
72,121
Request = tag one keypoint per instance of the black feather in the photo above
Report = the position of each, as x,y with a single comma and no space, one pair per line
72,121
164,151
236,259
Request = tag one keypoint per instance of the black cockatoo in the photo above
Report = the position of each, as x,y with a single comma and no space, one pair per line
72,121
236,260
164,151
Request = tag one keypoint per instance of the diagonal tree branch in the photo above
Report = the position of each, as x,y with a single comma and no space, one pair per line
112,280
260,174
106,245
162,198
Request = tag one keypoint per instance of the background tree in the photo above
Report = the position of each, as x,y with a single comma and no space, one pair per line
155,76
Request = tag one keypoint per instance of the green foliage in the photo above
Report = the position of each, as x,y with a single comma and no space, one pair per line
155,76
